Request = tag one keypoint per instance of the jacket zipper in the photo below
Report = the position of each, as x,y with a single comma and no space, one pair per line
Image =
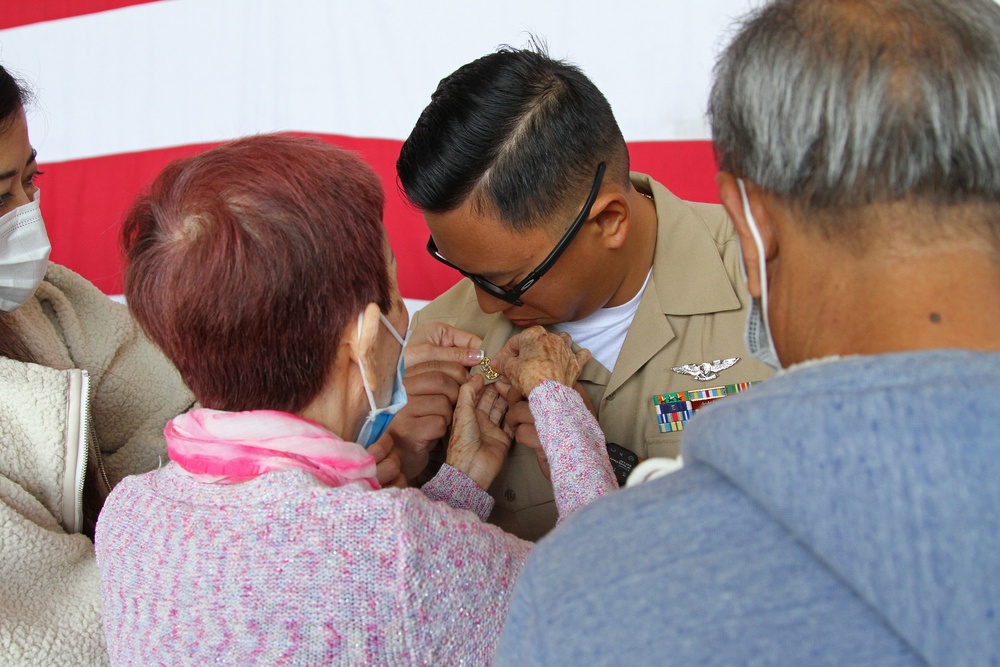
77,439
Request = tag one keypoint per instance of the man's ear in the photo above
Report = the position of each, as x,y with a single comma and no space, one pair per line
729,194
611,215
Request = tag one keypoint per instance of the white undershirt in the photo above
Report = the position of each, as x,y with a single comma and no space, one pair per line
603,331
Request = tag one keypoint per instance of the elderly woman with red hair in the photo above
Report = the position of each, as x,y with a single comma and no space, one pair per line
262,270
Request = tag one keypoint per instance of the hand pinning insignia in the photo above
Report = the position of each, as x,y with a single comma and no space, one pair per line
706,371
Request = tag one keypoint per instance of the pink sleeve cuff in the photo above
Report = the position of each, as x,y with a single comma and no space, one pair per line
454,487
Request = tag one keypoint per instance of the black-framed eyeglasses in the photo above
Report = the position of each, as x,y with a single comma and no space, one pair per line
512,295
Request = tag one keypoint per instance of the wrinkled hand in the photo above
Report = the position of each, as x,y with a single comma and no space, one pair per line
535,355
435,363
386,463
527,360
479,445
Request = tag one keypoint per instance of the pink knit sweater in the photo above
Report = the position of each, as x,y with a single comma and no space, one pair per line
283,570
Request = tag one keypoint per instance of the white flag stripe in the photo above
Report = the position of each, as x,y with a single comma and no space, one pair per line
191,71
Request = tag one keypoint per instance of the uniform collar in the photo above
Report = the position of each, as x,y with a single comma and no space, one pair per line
689,277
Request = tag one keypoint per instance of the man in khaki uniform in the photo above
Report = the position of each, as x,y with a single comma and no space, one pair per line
500,163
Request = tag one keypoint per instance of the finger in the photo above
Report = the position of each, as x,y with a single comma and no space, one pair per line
535,331
508,365
418,433
498,410
426,406
456,372
527,342
466,397
528,337
426,352
527,435
520,413
513,345
473,388
508,430
433,383
380,448
450,336
583,357
492,404
487,399
439,333
514,395
504,364
502,386
566,338
387,470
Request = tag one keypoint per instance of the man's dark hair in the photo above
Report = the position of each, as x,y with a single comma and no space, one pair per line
518,131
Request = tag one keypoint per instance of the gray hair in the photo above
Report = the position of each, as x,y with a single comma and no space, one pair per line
837,105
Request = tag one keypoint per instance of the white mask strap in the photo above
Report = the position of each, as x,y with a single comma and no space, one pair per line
759,243
757,335
395,334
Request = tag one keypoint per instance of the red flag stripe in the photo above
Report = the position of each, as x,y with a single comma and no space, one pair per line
25,13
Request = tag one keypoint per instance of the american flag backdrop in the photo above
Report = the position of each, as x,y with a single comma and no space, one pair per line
122,87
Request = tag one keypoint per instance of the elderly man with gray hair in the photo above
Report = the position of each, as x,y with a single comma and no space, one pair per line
846,511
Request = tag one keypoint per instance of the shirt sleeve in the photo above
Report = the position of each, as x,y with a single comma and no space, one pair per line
454,487
455,575
574,445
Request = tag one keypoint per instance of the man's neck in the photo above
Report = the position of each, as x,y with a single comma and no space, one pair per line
940,298
639,248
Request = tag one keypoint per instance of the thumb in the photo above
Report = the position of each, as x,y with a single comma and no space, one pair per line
381,447
469,392
445,335
450,336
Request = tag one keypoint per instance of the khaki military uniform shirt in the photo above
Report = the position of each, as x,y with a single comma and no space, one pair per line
693,311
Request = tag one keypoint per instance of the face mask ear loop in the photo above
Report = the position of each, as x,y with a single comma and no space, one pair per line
758,241
364,378
392,330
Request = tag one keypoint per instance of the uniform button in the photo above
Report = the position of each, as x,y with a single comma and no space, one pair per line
611,396
509,495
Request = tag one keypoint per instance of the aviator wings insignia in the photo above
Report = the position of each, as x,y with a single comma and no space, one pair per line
706,371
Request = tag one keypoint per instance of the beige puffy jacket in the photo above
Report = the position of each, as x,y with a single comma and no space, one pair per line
99,382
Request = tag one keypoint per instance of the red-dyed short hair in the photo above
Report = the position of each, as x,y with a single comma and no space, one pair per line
244,264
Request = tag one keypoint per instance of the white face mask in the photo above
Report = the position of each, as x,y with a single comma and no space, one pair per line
757,334
24,254
379,418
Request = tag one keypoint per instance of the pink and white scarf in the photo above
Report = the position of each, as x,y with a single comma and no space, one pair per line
229,447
